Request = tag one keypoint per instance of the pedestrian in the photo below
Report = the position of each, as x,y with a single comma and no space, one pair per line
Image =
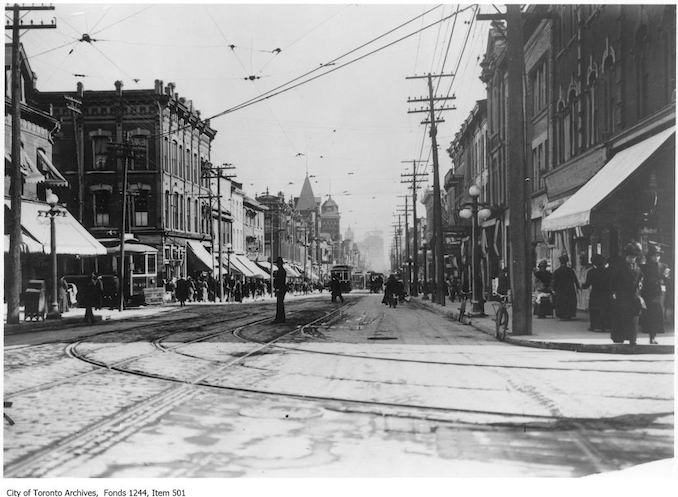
62,287
115,290
668,297
182,291
625,283
203,290
565,286
390,291
99,293
335,289
191,289
543,305
652,318
89,297
237,290
280,287
598,279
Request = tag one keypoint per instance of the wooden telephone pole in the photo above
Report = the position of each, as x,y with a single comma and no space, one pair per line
440,292
519,201
14,277
416,179
406,212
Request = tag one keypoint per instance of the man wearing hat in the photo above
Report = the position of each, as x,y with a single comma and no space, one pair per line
652,318
280,287
627,304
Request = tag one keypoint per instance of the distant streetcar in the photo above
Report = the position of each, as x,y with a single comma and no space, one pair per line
344,272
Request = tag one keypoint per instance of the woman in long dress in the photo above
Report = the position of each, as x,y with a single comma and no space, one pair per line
626,303
652,318
598,278
565,286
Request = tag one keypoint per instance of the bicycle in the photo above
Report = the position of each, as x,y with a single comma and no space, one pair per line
501,317
462,308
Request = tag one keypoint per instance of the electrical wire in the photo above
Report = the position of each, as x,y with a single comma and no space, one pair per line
124,18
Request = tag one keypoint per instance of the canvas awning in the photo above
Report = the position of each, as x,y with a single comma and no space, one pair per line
132,248
238,265
291,272
576,211
251,266
52,175
29,245
29,171
71,237
201,254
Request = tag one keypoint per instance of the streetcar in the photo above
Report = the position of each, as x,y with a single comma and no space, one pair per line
344,273
359,280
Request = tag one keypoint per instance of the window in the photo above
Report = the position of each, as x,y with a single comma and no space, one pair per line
100,151
188,214
591,112
101,202
180,162
609,89
167,209
175,211
538,87
181,212
139,157
141,209
188,170
196,213
641,71
196,169
165,154
174,157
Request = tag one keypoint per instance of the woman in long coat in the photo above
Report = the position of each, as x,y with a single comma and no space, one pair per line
542,285
626,304
182,291
598,278
652,318
565,286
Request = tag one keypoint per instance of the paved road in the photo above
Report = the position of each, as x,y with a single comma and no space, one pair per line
353,390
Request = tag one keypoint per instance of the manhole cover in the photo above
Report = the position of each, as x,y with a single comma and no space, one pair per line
382,338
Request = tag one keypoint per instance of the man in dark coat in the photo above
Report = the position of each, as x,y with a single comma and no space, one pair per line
652,318
335,289
598,278
625,285
90,297
565,286
280,287
182,291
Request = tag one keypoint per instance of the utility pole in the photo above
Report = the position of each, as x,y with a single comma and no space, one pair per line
519,203
217,173
407,246
437,207
14,276
75,106
415,242
399,245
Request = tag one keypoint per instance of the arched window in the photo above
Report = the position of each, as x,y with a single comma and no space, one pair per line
175,146
591,111
571,125
641,56
180,162
609,69
165,154
188,214
175,211
196,213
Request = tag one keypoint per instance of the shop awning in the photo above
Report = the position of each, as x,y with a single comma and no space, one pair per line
265,267
29,245
132,248
201,254
238,265
29,171
52,175
291,272
576,211
71,237
251,266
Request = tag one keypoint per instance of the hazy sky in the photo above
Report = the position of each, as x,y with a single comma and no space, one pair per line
351,126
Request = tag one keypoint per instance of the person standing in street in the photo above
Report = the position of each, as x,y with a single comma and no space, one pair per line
99,293
565,286
280,287
115,291
543,305
63,295
182,291
335,289
652,318
598,279
90,297
625,284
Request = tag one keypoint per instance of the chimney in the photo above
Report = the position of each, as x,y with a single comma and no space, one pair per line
171,87
190,105
197,113
158,86
118,87
182,100
79,88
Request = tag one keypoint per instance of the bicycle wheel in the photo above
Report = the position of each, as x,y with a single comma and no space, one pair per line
501,323
462,310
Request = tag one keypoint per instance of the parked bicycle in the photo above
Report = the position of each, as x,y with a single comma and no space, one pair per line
462,308
501,316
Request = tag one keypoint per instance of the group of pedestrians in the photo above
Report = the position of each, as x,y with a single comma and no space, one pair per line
625,296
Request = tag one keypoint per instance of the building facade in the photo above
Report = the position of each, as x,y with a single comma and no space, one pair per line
168,189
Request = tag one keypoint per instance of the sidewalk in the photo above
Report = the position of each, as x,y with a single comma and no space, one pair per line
550,333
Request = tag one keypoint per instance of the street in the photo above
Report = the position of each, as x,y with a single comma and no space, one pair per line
353,389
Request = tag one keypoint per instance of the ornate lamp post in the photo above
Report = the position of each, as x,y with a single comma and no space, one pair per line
476,211
53,212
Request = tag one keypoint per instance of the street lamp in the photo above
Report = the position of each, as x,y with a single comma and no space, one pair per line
476,211
424,247
229,251
52,201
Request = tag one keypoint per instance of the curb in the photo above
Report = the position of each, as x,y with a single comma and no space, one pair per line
595,348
